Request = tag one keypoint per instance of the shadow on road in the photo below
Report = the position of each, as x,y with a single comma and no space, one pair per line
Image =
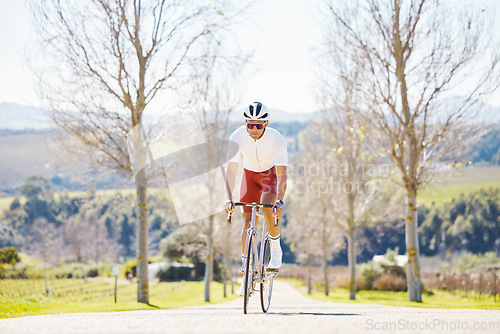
314,313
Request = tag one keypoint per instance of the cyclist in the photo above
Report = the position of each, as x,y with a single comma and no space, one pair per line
264,178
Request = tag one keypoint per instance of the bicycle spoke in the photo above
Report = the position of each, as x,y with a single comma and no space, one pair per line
266,288
248,275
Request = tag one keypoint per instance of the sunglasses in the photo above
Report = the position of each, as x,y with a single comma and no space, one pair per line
258,126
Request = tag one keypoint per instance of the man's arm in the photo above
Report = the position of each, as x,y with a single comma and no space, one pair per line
231,170
282,177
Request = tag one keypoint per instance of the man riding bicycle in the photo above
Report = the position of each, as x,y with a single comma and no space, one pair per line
264,178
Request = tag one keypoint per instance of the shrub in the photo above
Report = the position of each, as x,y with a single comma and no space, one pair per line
343,282
13,274
9,255
469,261
131,267
72,270
93,272
389,282
370,272
176,272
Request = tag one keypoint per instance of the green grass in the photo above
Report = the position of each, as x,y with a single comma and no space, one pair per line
438,299
464,182
26,297
5,202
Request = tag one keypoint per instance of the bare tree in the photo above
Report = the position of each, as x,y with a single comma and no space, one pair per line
76,236
217,100
303,233
404,59
47,242
102,65
360,188
312,222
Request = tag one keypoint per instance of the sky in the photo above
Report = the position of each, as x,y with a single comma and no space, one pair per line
282,33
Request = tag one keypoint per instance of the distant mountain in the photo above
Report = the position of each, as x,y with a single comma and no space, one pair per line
278,116
19,117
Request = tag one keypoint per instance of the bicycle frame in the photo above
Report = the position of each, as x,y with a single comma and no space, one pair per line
257,267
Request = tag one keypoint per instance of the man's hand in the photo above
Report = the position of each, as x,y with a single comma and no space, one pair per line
229,206
278,208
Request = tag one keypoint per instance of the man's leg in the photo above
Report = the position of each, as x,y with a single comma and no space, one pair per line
270,198
247,216
274,231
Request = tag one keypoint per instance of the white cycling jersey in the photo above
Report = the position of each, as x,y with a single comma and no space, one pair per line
261,154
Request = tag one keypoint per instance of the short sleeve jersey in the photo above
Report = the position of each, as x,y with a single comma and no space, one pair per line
261,154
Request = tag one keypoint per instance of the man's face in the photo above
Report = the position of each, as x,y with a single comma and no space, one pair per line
253,128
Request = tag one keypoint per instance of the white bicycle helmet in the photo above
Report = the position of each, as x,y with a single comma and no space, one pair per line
256,112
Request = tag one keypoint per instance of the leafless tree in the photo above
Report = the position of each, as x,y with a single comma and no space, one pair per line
218,102
312,222
360,189
103,63
404,59
75,236
46,241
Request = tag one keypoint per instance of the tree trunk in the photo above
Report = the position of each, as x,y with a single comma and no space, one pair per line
309,279
325,272
231,278
142,238
324,259
45,278
412,249
209,262
351,259
224,269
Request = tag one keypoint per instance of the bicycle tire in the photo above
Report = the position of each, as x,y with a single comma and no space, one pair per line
248,278
266,288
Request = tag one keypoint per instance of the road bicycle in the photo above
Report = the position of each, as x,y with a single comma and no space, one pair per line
256,260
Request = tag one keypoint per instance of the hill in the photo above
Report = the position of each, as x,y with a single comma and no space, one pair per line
466,181
27,148
18,117
23,153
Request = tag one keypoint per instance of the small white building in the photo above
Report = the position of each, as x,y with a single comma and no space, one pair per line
401,260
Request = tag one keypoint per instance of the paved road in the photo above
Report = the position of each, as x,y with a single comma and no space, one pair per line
290,312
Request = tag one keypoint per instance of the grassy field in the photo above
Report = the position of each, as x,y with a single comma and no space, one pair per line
452,185
435,299
5,202
465,181
27,297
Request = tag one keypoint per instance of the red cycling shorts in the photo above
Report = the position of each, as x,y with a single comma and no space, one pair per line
253,184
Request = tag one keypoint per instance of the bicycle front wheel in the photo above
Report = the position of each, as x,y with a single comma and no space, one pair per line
248,275
266,288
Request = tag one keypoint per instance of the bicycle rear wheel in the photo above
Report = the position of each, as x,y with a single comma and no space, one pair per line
266,288
248,275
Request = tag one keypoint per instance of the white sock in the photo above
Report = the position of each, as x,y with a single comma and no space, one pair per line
275,242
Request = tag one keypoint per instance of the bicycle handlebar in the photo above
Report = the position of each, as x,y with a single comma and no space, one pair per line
252,205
